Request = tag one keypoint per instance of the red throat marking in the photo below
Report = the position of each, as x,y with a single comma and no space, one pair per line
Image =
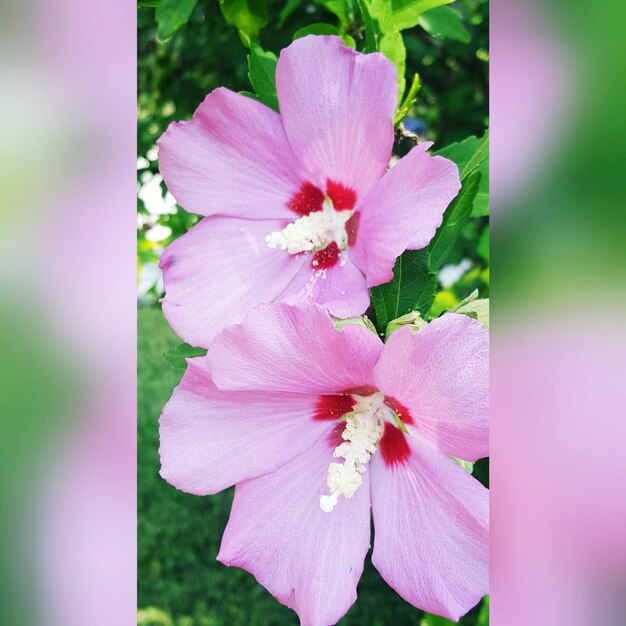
327,257
393,446
334,437
400,410
343,198
352,227
306,200
334,407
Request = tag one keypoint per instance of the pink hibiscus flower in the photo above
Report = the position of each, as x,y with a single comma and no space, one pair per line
313,425
300,206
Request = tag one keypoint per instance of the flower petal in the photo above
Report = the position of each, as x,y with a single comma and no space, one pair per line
403,211
340,288
231,158
337,107
307,559
294,349
211,439
218,271
431,531
441,375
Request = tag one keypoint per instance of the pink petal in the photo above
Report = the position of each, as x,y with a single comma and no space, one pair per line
231,158
212,439
337,107
307,559
279,347
341,289
403,211
441,375
431,531
218,271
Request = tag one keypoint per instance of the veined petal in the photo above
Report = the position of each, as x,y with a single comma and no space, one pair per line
441,375
231,158
337,107
431,530
218,271
307,559
340,288
278,347
211,439
403,211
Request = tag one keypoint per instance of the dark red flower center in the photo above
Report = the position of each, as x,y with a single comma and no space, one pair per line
309,199
334,407
400,410
352,227
306,200
393,445
326,257
342,197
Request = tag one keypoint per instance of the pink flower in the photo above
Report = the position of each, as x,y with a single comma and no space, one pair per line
300,206
313,425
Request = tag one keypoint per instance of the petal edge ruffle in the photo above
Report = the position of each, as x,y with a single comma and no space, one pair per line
431,531
232,158
307,559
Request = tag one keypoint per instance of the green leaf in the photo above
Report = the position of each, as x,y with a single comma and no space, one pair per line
320,28
477,309
474,307
250,94
392,46
262,74
480,155
171,15
248,16
348,40
471,298
176,357
375,16
414,274
460,152
288,9
435,620
412,319
411,289
381,35
454,219
468,466
343,9
409,100
469,154
481,201
445,23
483,616
362,320
483,242
406,13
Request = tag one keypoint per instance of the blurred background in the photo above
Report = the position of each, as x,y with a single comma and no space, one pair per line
68,287
179,581
558,356
68,309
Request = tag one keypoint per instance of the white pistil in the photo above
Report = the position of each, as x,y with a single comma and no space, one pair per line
362,432
312,232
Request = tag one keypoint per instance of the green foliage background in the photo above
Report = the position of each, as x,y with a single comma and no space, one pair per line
179,581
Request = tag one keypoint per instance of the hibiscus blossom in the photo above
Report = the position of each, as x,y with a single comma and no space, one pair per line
313,424
300,206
